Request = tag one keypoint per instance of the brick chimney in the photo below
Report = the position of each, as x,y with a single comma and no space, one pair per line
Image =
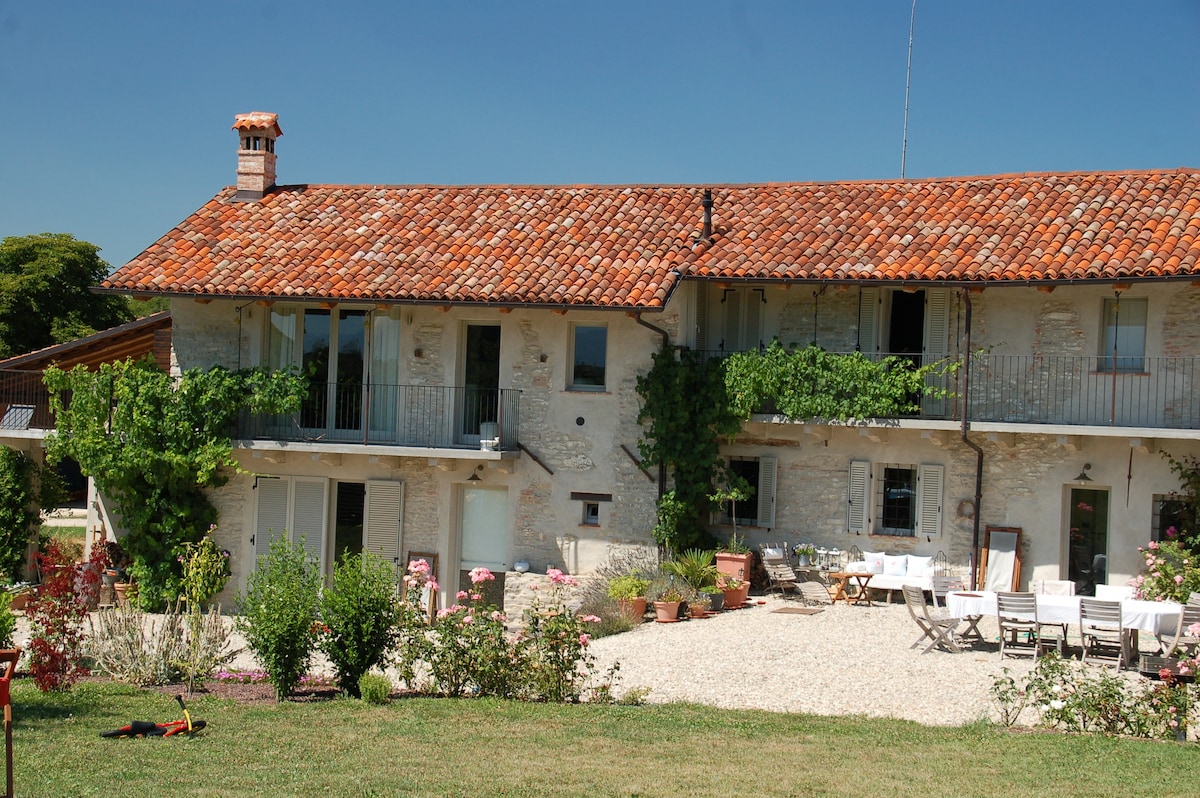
257,132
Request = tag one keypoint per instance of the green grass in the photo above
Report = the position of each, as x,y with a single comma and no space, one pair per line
484,747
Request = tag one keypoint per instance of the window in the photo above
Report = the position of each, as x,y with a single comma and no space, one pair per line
759,508
1168,512
591,506
907,499
1123,336
591,513
589,350
729,319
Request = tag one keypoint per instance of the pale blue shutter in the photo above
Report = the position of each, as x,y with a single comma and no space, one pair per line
868,320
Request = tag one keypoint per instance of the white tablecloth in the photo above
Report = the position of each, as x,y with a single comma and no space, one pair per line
1156,617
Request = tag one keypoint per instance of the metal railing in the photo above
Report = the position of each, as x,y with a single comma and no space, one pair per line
24,401
436,417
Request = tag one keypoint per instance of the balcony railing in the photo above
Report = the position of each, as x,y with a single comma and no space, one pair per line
24,401
435,417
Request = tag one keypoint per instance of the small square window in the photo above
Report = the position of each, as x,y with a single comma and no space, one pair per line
589,351
591,513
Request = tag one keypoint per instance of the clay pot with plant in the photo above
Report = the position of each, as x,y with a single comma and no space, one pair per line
666,604
629,591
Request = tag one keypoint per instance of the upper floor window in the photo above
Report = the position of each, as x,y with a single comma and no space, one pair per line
589,351
729,319
1123,335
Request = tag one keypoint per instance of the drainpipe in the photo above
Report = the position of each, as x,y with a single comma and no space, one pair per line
965,426
666,342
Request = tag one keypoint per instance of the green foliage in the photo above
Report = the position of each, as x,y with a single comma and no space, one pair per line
278,613
8,621
18,513
205,570
627,586
154,445
811,383
44,292
676,524
1172,572
374,688
697,567
361,613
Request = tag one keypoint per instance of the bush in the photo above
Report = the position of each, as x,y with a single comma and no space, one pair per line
56,613
557,642
278,613
374,688
8,621
361,616
129,647
205,569
469,651
1172,572
18,511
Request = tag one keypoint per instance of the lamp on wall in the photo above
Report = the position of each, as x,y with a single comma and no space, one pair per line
475,474
1083,477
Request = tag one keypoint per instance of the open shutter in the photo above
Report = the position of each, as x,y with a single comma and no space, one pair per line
385,509
701,316
308,515
937,331
868,320
752,331
766,491
929,500
271,512
857,494
731,307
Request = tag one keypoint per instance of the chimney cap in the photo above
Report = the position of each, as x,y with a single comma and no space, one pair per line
257,120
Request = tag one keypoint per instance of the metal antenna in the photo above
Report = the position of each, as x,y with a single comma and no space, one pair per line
907,80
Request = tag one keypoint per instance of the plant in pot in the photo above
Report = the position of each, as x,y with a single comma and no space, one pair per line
716,597
735,558
695,567
698,604
736,591
629,591
666,604
805,553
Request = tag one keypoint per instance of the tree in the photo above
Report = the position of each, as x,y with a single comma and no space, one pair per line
155,444
44,292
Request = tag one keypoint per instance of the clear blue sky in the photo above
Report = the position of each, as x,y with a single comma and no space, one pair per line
116,115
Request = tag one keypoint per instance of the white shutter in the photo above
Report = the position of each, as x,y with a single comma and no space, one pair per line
701,316
937,330
929,500
766,491
270,513
868,320
752,330
384,513
308,515
857,495
731,306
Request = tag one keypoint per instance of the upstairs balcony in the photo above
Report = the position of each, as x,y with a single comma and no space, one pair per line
417,416
24,404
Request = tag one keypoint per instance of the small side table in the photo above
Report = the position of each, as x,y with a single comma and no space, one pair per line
842,580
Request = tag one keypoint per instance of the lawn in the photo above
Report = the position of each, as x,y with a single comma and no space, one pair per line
485,747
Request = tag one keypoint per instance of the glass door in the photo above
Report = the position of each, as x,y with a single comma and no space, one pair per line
1087,541
480,403
333,357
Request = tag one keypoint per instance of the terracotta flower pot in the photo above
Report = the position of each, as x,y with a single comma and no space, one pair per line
633,609
125,591
666,611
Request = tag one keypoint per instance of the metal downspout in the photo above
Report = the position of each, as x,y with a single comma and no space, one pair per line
965,427
666,342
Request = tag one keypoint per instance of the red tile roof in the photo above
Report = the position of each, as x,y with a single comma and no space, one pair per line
626,246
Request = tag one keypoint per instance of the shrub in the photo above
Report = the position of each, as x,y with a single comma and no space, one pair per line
361,616
23,485
8,621
56,613
374,688
130,647
278,613
557,642
205,569
1172,572
628,586
469,651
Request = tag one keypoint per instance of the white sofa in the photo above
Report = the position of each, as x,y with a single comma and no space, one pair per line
893,572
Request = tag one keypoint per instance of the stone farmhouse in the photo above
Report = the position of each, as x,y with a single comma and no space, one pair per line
475,351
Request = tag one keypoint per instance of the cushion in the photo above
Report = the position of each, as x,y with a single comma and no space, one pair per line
895,566
771,551
874,561
919,566
858,567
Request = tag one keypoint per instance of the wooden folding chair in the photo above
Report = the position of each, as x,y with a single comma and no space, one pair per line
1016,615
939,631
8,657
1183,639
942,585
1102,629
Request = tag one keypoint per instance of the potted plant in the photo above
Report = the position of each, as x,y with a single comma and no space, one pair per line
736,591
629,591
695,567
804,553
716,597
735,558
666,604
698,603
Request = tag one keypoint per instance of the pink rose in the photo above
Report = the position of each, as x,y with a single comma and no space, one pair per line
481,575
462,594
1179,579
583,639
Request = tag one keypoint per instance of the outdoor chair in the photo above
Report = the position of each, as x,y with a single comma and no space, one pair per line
1016,615
813,593
938,630
1194,598
941,586
1183,639
1101,629
780,575
1056,587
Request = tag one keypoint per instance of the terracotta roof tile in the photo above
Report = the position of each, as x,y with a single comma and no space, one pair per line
626,246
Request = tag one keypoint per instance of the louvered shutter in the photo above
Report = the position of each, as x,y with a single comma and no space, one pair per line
858,493
271,512
701,316
731,306
308,515
766,491
929,500
385,509
752,329
868,320
937,330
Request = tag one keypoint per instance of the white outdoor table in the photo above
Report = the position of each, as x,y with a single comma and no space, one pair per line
1157,617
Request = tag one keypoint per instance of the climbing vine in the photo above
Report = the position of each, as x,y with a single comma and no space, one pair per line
689,402
155,444
24,487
